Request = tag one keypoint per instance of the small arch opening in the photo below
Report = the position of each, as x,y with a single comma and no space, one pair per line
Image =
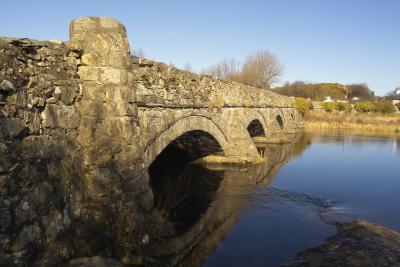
183,190
255,128
280,121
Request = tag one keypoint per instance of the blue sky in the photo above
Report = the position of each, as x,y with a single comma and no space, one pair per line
347,41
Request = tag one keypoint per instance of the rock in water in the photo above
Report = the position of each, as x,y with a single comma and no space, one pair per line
358,243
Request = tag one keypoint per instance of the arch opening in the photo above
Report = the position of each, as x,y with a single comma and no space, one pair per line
184,190
280,121
255,128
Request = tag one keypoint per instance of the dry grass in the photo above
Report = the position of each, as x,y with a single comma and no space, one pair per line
370,123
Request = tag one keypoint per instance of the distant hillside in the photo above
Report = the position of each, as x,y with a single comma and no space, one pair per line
319,91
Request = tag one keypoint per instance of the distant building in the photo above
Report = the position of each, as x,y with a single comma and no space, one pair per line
328,99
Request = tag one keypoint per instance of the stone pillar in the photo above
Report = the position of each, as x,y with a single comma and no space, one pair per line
108,115
104,41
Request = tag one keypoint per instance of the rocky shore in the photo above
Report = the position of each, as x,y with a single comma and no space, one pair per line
357,243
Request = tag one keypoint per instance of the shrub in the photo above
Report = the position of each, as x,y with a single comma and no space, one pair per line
343,106
398,106
364,107
303,105
329,106
384,107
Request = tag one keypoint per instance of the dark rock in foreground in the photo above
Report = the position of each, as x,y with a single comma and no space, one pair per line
94,262
357,243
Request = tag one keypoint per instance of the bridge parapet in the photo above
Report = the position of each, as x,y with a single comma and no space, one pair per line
158,84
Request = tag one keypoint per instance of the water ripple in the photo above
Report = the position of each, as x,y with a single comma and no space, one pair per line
278,199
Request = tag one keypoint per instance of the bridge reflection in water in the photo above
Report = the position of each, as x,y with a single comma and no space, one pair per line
199,203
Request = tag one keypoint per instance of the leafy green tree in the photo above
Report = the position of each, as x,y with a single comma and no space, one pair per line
303,105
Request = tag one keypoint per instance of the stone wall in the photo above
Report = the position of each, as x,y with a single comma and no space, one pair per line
39,158
161,85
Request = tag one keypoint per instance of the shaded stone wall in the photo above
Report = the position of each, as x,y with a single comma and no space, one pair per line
39,158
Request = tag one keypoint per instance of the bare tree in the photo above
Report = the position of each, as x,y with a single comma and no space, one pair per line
188,67
261,69
138,52
228,69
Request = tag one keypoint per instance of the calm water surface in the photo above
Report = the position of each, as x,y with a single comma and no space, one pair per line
328,178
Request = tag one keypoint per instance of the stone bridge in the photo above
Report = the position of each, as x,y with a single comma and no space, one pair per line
142,106
82,122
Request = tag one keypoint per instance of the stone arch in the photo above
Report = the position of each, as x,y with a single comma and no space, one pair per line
255,116
255,128
280,119
178,128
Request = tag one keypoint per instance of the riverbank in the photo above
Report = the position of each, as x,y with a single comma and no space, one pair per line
355,123
357,243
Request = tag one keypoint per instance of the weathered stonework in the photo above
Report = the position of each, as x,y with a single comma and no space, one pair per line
81,122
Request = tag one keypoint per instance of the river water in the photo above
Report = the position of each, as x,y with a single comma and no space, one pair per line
264,215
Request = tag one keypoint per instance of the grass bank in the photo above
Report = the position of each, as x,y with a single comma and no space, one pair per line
361,123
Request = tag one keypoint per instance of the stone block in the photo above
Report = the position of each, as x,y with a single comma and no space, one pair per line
116,59
89,73
59,116
94,34
113,76
92,108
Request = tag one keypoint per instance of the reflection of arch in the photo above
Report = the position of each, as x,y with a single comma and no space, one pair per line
255,128
178,128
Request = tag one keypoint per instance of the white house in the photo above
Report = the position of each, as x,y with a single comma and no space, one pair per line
328,99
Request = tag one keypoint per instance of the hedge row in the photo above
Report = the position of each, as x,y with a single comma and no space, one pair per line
331,106
381,107
304,105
